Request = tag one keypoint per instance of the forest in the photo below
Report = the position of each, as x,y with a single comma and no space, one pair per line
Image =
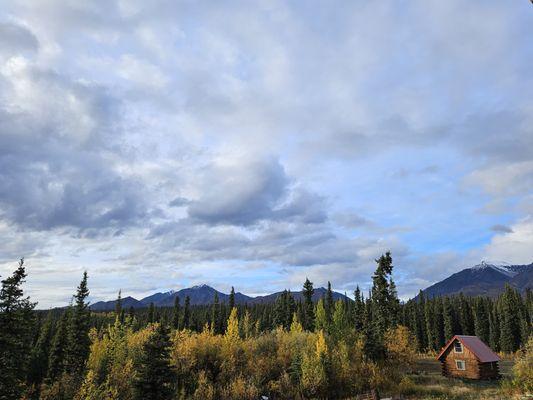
285,350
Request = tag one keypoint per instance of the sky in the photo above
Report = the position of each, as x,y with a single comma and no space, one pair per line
162,144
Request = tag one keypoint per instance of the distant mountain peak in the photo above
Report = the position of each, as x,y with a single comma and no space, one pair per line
202,286
500,266
486,279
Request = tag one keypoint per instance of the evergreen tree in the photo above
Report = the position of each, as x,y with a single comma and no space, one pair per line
329,305
151,313
16,321
118,304
383,302
359,310
481,320
283,309
78,331
154,374
439,324
187,313
466,319
58,350
176,315
448,319
309,308
495,328
38,365
215,316
509,321
231,302
383,298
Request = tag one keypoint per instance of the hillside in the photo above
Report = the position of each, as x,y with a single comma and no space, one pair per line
485,279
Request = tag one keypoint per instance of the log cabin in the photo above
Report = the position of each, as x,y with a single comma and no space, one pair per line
468,357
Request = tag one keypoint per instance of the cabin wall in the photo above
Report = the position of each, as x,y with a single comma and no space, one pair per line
472,367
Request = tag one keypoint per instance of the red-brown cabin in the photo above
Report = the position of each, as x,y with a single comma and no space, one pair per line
468,357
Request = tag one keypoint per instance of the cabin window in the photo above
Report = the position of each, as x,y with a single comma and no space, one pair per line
461,365
458,347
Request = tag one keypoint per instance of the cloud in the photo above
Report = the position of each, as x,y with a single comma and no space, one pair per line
16,39
170,139
514,246
501,228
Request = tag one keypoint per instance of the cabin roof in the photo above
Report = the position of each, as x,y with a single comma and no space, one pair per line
482,352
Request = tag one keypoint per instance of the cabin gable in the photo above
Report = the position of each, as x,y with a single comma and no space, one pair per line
459,360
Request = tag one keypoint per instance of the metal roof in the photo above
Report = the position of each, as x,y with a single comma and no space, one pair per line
482,352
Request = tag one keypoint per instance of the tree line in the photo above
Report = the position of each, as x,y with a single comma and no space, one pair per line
213,351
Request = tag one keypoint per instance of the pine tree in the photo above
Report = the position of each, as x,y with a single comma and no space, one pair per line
309,308
176,314
78,331
154,374
16,321
187,313
58,350
231,302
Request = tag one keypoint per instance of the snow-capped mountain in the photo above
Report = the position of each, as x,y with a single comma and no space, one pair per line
486,279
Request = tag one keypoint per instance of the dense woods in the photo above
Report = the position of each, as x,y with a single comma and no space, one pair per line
284,350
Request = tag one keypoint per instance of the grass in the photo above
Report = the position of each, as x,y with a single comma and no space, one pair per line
428,383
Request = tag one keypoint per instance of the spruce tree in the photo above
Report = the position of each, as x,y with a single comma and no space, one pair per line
481,320
231,302
215,316
187,313
509,321
154,375
151,313
58,350
78,331
448,319
309,308
359,310
118,304
38,365
16,322
329,305
176,313
495,328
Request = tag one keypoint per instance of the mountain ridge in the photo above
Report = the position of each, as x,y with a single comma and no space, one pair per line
484,279
202,295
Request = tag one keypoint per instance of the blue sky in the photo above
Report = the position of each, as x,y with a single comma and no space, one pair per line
163,144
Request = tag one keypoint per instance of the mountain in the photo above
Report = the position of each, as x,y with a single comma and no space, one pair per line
202,294
127,302
486,279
